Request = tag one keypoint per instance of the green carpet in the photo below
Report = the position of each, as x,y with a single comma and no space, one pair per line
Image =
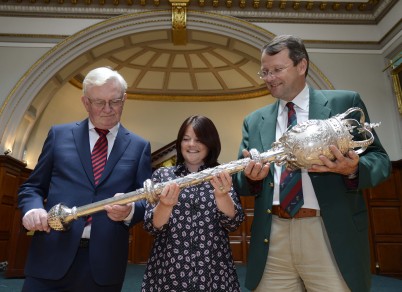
134,274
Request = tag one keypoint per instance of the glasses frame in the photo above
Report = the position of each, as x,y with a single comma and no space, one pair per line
273,73
101,103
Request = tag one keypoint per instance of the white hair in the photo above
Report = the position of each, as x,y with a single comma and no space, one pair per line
100,76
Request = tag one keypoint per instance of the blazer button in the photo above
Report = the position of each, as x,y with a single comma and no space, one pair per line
269,211
266,240
271,184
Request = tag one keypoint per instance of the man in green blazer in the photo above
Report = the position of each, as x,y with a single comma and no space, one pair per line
324,245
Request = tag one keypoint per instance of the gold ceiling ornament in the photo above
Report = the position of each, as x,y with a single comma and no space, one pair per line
270,4
296,5
179,19
309,5
256,4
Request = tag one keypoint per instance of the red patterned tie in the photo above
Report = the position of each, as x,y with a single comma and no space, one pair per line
99,154
291,192
98,157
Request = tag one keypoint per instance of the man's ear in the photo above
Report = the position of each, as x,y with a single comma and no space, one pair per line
85,102
302,67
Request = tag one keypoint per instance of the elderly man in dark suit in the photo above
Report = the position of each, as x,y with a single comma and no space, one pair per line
81,163
314,237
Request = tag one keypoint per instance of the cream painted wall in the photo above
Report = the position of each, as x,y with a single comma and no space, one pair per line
15,61
157,122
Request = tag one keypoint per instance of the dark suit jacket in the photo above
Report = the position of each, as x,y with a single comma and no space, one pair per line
343,211
64,175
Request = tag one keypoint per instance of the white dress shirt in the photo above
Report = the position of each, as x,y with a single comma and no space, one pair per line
301,102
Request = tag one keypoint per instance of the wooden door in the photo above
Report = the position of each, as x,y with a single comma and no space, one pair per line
140,245
240,239
10,170
385,212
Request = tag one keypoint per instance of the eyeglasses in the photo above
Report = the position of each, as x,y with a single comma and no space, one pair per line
274,73
100,103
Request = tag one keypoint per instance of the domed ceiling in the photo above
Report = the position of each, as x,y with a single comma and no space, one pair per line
208,67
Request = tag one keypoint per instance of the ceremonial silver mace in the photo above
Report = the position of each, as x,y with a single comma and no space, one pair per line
299,147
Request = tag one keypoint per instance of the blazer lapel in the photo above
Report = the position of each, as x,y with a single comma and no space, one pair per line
268,124
318,109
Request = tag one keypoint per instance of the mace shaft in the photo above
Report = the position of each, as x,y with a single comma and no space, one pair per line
151,191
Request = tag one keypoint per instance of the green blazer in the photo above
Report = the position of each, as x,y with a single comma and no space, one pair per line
343,211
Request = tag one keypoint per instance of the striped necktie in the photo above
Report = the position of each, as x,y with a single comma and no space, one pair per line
99,154
291,191
98,157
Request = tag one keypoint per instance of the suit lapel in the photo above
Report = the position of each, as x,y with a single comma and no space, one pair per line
119,147
81,139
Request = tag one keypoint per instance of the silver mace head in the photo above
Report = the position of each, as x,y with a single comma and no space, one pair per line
60,215
304,143
299,147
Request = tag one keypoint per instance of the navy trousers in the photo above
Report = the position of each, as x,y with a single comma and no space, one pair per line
78,278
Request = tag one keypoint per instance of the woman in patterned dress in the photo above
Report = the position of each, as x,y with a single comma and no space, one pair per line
191,251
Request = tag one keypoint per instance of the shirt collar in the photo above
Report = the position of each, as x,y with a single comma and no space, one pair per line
301,100
113,130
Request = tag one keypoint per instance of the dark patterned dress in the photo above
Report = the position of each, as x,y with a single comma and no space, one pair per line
192,251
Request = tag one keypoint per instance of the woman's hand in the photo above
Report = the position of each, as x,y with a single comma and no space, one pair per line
167,200
170,195
222,183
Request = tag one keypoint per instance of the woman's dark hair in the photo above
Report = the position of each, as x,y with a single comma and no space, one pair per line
297,50
206,133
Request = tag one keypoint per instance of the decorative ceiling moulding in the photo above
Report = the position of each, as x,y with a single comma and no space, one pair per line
334,12
37,38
